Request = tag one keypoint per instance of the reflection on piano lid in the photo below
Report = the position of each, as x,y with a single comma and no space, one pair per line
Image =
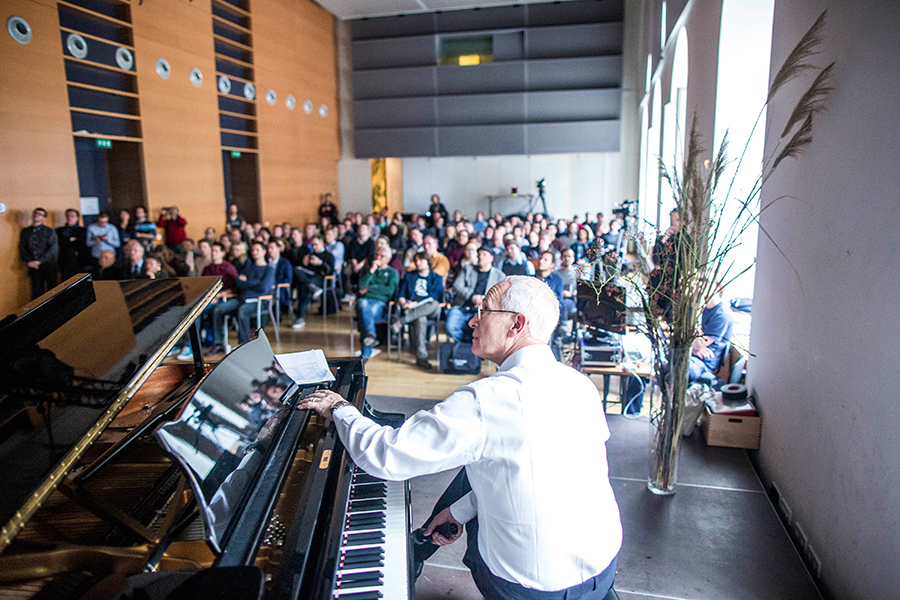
223,434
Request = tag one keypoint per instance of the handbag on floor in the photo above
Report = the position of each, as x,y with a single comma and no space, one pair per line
457,359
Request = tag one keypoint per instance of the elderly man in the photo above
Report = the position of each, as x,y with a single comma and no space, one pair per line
132,264
530,534
377,286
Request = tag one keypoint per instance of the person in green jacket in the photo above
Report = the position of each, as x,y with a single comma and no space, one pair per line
377,286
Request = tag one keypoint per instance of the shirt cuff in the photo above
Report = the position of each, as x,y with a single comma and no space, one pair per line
465,509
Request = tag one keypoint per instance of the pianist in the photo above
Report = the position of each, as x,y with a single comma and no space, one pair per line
548,523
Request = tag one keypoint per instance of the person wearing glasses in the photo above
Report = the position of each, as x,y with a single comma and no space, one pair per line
538,526
469,289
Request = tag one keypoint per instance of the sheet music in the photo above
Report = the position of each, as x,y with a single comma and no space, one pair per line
306,367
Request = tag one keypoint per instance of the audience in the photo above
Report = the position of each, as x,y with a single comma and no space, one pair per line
256,279
309,277
102,236
470,287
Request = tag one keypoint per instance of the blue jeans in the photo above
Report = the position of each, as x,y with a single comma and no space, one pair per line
457,323
245,313
220,309
368,312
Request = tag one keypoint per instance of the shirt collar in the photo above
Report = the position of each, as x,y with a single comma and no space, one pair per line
528,354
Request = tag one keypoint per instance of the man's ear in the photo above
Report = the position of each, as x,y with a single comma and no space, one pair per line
519,324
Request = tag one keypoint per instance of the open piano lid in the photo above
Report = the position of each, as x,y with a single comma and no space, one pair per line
223,434
77,355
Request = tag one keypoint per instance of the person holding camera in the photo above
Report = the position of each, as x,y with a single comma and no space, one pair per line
173,224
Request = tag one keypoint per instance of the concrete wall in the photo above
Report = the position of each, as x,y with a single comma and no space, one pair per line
825,338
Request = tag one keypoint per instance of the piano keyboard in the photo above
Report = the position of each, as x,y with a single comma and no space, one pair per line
373,557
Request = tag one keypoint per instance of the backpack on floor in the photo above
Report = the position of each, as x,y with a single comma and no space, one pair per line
457,359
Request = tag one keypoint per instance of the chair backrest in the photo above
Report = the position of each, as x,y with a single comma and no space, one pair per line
731,364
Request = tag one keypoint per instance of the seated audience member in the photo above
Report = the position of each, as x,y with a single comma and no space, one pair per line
716,325
455,255
469,289
102,236
416,245
256,279
297,248
209,234
566,272
515,262
156,268
234,221
199,259
132,265
238,255
582,244
284,271
420,298
448,242
497,244
106,269
612,237
237,235
287,229
173,225
440,264
395,262
336,248
173,261
570,235
72,241
309,277
226,242
219,267
377,286
397,237
479,224
144,228
544,243
545,273
359,253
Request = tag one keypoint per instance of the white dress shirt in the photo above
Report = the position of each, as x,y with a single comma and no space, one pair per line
533,439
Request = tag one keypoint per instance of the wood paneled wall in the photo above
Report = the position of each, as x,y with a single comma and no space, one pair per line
294,53
182,154
37,154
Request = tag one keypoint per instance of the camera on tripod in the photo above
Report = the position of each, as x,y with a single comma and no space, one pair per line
628,207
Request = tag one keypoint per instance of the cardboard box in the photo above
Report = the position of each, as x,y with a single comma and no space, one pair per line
730,430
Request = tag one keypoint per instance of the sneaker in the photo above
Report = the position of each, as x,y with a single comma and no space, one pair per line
348,298
316,292
174,351
299,324
370,341
215,349
423,363
186,354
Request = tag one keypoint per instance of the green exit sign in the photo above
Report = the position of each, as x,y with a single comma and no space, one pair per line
235,154
102,143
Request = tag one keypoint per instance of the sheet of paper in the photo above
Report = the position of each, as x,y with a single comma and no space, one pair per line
90,205
305,367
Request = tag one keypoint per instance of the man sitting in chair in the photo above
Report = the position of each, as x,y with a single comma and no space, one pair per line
377,286
706,350
420,297
256,279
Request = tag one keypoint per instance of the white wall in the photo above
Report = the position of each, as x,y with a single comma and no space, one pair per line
825,339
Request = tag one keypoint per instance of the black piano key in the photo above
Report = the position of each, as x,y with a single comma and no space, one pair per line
364,539
363,477
361,576
363,562
369,491
358,584
370,504
373,595
364,552
371,517
379,525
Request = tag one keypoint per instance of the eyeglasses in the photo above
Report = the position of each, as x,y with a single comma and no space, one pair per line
489,310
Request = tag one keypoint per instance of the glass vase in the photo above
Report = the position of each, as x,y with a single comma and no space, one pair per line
665,422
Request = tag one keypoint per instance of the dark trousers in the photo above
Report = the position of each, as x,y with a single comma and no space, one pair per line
494,587
43,279
304,280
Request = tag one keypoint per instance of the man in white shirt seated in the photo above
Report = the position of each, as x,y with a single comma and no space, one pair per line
546,528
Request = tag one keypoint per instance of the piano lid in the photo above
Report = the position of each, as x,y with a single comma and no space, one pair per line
224,433
75,356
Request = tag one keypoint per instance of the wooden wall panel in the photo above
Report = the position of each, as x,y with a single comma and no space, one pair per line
37,154
295,53
182,151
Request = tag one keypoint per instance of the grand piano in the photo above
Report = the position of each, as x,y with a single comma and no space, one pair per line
124,477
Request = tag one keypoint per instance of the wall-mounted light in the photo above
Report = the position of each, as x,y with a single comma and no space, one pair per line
77,45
